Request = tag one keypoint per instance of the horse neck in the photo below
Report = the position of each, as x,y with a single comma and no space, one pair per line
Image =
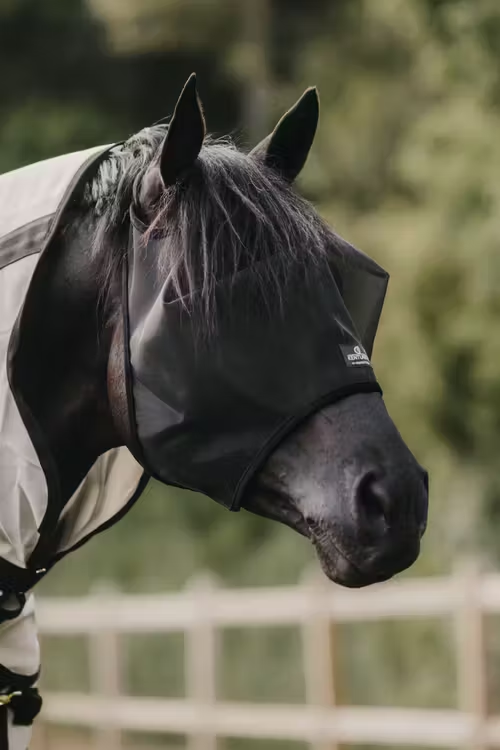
80,314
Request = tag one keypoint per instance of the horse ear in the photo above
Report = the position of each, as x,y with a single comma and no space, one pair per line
288,146
185,136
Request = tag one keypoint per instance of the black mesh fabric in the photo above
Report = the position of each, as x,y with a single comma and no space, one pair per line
210,402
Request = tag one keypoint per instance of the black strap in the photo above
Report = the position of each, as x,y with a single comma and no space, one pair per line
11,604
25,706
20,698
4,729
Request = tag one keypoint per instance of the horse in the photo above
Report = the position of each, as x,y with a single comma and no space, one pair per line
172,308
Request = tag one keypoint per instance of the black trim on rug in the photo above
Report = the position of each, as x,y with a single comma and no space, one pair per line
41,555
27,240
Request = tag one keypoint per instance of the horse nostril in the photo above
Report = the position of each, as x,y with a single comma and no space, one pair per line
371,499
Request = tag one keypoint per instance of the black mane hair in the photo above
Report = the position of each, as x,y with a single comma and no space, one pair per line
228,212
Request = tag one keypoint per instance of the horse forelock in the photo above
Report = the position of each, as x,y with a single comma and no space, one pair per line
227,213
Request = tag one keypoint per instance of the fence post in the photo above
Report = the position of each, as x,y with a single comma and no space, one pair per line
201,656
471,651
105,670
318,639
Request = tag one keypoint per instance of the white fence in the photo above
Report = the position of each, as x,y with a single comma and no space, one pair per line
203,609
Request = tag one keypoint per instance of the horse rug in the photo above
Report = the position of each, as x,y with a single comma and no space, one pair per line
30,198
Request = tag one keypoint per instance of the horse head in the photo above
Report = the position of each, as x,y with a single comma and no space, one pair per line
246,341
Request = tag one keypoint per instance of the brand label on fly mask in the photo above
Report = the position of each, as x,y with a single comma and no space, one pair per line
355,355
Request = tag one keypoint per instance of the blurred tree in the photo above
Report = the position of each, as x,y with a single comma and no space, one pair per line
61,89
406,164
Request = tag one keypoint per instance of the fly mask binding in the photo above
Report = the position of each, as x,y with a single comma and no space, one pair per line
208,408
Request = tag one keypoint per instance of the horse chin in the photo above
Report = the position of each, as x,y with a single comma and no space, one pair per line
342,571
276,505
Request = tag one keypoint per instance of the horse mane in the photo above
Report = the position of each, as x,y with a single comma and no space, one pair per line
227,213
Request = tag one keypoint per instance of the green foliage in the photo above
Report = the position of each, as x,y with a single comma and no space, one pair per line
244,649
406,166
39,129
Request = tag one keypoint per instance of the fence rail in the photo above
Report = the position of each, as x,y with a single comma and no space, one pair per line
314,606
